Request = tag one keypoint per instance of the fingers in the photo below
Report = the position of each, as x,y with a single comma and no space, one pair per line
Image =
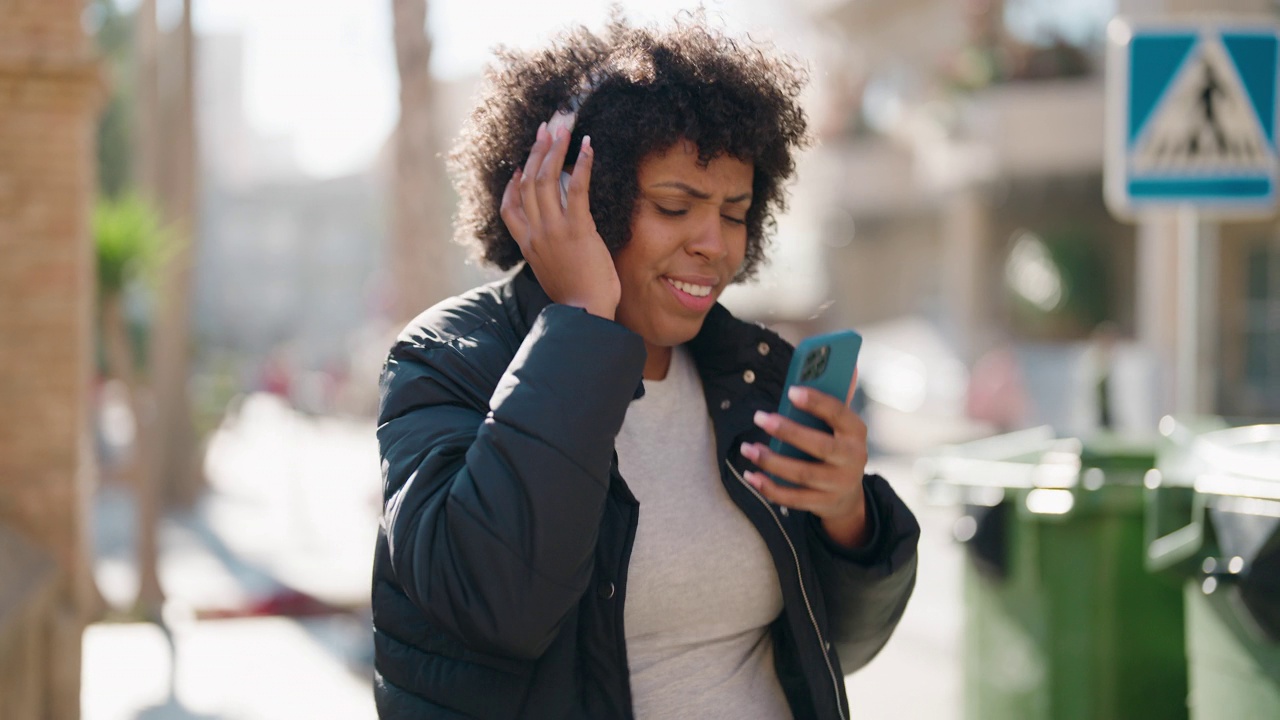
841,449
532,202
815,475
833,411
528,178
580,183
512,211
797,498
831,486
824,446
548,179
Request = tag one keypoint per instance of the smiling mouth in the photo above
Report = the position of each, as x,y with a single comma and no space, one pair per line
699,291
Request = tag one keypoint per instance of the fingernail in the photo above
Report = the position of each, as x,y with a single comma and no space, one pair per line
752,479
542,130
750,451
764,420
798,394
586,145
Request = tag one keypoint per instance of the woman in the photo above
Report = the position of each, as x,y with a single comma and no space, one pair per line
578,523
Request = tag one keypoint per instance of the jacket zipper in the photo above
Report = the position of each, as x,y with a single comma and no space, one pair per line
621,595
620,588
822,643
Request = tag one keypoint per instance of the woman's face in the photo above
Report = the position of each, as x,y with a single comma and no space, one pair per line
688,239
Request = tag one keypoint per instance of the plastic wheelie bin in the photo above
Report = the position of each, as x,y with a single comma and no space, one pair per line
1216,522
1062,620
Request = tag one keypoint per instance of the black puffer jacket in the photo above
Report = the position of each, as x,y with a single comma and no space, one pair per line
501,563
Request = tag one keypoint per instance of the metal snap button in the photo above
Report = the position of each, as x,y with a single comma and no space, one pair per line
725,404
749,376
607,590
763,347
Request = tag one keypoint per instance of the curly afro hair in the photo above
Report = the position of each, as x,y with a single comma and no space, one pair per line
639,91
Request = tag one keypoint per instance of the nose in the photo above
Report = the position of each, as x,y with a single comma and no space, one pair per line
709,241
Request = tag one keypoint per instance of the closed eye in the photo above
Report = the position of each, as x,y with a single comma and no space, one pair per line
678,212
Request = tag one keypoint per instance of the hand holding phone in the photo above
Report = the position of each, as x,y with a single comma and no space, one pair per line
831,486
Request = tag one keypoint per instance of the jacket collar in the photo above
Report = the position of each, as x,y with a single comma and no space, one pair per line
724,345
743,367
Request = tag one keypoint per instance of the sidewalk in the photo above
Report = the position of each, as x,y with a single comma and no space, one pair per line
292,506
282,545
918,674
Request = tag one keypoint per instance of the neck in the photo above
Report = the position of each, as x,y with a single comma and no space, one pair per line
657,363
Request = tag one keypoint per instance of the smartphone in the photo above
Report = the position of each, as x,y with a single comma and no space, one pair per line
825,363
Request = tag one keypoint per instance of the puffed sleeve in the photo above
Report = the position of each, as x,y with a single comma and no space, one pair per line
866,589
492,506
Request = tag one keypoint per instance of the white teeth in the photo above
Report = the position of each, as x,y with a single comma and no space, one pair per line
694,290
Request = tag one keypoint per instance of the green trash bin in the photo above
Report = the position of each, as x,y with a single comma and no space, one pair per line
1224,482
1062,621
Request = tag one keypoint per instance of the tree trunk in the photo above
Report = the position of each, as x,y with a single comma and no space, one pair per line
122,364
419,245
174,447
143,473
146,130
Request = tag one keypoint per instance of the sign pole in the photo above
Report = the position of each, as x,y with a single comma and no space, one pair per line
1188,356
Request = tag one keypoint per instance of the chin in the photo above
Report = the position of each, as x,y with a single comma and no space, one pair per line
677,333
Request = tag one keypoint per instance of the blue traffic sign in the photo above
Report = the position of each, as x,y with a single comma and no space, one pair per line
1192,117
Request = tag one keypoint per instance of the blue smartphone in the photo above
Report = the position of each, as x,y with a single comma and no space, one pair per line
825,363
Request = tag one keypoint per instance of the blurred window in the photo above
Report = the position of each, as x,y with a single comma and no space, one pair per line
1262,324
1040,22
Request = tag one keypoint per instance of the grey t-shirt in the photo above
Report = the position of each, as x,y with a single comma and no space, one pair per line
701,587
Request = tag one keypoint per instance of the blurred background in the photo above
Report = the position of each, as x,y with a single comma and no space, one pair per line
215,215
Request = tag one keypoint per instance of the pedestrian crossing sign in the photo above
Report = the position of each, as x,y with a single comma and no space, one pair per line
1192,117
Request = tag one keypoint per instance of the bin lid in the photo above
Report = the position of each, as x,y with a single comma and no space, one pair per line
1032,458
1119,453
1241,461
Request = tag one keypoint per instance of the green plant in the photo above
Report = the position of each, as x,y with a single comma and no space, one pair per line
130,241
131,246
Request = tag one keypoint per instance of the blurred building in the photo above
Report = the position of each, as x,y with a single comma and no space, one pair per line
286,260
963,148
289,263
231,151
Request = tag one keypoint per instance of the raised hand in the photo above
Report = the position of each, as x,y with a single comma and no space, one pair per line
560,242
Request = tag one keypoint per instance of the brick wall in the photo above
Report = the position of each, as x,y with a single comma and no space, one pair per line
50,92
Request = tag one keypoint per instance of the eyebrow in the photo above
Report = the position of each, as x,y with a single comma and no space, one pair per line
689,190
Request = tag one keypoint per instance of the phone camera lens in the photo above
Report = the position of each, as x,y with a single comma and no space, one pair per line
815,363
